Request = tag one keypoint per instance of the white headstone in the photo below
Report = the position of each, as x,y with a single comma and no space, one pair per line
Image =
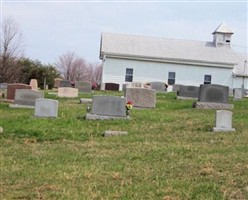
67,92
223,121
46,108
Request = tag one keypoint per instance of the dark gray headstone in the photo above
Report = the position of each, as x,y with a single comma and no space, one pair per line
27,96
109,106
112,86
176,87
213,93
46,108
83,86
158,86
188,91
64,83
141,97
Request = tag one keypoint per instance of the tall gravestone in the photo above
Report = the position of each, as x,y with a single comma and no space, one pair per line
212,96
67,92
188,92
83,86
238,93
223,121
141,97
112,86
46,108
27,97
11,88
34,84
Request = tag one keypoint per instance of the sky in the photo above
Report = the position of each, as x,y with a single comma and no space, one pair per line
52,28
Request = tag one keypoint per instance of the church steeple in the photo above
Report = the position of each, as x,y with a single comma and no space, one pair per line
222,36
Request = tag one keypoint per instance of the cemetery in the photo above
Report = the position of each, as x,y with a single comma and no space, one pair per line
167,149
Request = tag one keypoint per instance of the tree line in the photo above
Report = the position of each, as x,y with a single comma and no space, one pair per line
16,68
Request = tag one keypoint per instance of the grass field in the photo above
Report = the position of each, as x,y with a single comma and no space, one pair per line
170,153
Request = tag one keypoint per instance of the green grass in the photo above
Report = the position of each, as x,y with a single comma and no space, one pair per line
170,153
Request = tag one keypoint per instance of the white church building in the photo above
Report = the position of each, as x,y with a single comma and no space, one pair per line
134,58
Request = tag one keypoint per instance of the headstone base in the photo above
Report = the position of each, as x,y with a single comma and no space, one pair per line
215,129
90,116
207,105
186,98
111,133
20,106
84,100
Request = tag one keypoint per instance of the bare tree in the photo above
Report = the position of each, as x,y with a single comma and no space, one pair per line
72,67
95,72
11,50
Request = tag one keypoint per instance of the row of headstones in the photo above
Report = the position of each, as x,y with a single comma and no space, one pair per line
193,92
82,86
157,86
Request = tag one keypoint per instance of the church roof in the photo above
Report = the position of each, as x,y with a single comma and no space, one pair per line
223,28
144,47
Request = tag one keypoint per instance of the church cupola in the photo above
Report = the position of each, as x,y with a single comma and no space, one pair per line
222,36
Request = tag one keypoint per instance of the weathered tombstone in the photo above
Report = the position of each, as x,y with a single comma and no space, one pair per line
27,97
141,97
113,133
67,92
46,108
188,92
109,105
57,82
34,84
12,87
64,83
176,87
83,86
213,96
238,93
223,121
158,86
112,86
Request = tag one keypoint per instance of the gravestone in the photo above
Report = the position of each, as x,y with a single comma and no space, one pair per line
46,108
109,106
12,88
188,92
57,82
67,92
223,121
112,86
176,87
158,86
141,97
64,83
3,86
27,97
83,86
238,93
213,96
34,84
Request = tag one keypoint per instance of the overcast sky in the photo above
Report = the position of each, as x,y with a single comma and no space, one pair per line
51,28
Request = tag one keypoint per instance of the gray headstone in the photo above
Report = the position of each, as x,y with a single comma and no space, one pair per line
46,108
109,106
158,86
27,96
3,86
189,91
223,121
213,93
64,83
238,93
141,97
176,87
83,86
